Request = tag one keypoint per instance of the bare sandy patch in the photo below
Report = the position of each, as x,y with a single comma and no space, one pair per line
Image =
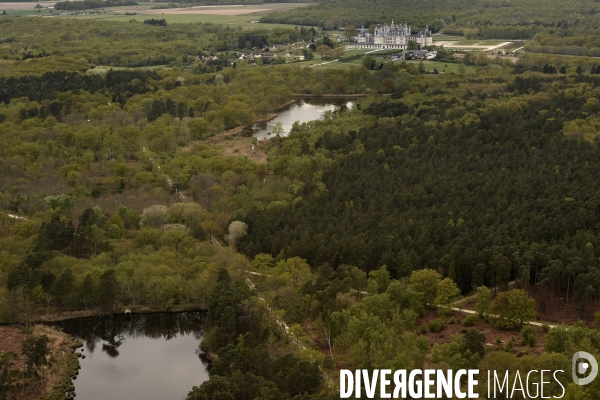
227,11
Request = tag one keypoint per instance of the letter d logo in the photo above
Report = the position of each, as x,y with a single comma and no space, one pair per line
581,367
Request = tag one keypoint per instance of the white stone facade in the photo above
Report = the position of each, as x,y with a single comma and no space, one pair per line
390,37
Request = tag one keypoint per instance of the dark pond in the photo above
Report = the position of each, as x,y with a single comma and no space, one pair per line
303,110
148,357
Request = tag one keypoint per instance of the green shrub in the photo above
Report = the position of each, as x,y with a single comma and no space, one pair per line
510,345
470,320
545,327
528,335
437,325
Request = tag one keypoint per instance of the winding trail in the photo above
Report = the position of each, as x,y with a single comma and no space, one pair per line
284,327
325,63
169,181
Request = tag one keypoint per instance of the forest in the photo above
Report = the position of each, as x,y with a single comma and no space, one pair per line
87,4
359,232
553,26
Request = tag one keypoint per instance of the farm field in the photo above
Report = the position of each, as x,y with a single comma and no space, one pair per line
245,16
243,20
9,6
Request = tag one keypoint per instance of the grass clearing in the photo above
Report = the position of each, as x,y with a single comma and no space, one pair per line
354,52
442,66
429,65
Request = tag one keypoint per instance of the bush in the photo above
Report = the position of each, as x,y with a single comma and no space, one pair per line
545,327
437,325
470,320
510,345
423,329
474,340
528,335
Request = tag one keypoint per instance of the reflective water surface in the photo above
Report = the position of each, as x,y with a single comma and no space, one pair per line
149,357
303,110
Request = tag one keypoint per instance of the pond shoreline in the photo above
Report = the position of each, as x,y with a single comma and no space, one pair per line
138,354
302,109
138,309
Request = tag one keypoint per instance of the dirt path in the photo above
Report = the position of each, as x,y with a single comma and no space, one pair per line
453,45
169,181
238,10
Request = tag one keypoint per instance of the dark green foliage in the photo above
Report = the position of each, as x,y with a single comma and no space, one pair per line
246,371
474,340
156,22
7,374
87,4
250,40
64,287
35,350
425,213
38,88
107,290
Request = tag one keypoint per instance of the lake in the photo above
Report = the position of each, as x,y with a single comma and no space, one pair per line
303,110
148,357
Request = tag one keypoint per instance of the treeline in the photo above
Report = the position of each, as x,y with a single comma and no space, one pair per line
87,4
251,40
156,22
122,84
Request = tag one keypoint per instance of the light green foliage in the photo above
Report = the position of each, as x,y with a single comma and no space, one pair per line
484,299
446,293
62,202
199,128
437,325
511,309
277,129
154,216
263,262
296,270
563,339
404,297
379,279
425,281
470,320
236,232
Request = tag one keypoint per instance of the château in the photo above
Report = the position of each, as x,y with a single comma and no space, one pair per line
390,37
